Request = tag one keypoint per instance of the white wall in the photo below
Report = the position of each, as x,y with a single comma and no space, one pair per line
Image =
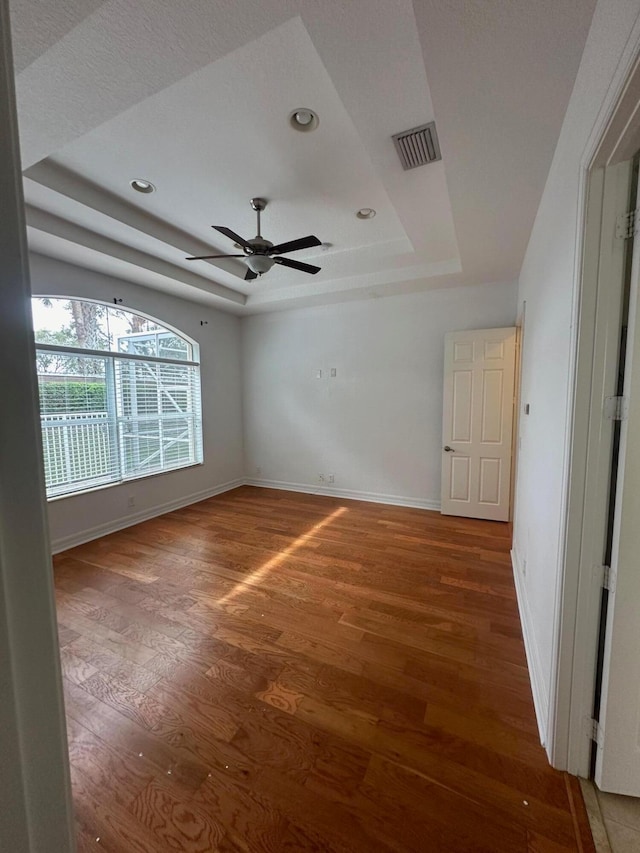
73,519
376,426
548,283
36,815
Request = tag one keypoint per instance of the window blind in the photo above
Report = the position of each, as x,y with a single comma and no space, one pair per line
119,396
157,406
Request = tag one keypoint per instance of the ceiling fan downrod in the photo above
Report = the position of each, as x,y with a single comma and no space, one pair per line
258,204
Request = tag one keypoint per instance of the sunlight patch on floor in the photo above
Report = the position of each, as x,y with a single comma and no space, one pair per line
256,577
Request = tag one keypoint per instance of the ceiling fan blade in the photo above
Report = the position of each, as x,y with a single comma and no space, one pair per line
295,245
209,257
296,265
233,236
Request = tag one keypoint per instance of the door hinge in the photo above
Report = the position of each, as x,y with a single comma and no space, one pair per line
594,731
609,578
615,408
627,225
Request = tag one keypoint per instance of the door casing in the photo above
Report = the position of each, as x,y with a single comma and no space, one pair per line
613,143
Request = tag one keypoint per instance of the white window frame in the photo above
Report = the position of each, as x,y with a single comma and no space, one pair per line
115,419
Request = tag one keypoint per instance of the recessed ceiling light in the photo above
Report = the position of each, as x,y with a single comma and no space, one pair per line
304,119
366,213
142,186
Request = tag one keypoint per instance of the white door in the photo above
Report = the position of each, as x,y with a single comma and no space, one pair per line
618,742
479,370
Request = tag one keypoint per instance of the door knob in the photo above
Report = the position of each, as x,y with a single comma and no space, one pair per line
449,449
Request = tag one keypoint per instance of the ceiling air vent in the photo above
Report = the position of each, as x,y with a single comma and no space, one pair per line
418,146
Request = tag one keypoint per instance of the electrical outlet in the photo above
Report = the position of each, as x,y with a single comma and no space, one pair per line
332,478
321,478
131,502
258,470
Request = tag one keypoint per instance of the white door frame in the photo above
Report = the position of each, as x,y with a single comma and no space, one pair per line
614,140
35,793
517,414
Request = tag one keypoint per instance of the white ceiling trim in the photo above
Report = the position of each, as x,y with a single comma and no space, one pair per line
41,220
66,183
418,273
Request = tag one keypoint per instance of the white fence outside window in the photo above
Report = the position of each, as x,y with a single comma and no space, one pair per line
77,449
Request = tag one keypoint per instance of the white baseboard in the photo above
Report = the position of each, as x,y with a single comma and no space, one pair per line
347,494
538,684
65,542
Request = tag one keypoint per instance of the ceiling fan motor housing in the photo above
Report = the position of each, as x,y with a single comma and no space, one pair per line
259,245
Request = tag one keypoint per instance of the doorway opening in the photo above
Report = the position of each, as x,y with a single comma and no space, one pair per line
595,715
616,412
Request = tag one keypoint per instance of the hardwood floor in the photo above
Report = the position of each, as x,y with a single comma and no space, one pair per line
269,671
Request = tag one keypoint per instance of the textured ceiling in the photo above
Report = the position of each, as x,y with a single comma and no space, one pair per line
195,97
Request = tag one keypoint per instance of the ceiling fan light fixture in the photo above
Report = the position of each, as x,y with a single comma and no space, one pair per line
261,254
304,120
366,213
142,186
259,263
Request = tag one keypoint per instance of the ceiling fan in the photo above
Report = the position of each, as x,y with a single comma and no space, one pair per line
261,254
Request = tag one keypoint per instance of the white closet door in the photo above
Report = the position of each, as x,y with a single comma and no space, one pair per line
479,372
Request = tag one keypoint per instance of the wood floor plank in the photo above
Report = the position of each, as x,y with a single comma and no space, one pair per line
128,732
174,823
270,671
118,775
112,827
250,819
106,661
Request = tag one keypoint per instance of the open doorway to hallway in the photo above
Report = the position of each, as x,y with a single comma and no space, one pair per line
604,508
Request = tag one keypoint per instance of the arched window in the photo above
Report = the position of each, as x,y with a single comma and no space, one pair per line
119,394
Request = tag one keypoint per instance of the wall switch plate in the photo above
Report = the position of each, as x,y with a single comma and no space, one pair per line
318,374
334,372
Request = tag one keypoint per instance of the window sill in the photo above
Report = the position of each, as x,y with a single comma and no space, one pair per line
126,482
